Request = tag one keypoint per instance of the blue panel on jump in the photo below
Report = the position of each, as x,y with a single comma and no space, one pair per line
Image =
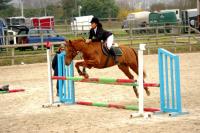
65,95
169,75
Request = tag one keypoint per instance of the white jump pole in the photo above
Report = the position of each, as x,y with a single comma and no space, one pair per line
51,100
140,82
141,78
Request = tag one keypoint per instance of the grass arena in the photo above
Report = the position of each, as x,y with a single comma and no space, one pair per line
22,112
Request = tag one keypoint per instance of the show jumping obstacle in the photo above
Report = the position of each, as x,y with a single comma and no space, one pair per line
170,97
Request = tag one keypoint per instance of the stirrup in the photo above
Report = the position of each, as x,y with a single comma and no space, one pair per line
116,60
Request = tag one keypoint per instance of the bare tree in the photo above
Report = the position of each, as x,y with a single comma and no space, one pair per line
124,4
183,4
158,7
37,3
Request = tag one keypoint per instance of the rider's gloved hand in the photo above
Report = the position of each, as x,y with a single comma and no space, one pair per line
88,40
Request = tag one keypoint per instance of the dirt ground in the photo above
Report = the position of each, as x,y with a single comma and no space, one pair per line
22,112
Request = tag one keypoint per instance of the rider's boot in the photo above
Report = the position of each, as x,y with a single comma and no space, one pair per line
112,52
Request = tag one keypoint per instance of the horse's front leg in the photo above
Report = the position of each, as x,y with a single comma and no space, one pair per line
81,73
86,64
77,65
89,64
84,71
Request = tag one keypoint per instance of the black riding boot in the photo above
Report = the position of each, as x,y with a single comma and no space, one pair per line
112,52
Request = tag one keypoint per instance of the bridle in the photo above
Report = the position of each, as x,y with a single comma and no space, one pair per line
73,51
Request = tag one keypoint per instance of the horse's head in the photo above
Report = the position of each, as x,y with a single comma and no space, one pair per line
71,52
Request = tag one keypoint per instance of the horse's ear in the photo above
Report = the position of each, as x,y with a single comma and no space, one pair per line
70,42
66,42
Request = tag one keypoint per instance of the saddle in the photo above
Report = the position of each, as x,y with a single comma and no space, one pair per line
105,50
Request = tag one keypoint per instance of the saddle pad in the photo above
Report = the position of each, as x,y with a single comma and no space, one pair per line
118,51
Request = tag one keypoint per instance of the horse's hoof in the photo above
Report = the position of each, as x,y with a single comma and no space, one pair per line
80,74
148,93
86,76
136,92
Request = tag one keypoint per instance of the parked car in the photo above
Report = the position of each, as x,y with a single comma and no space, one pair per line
20,30
26,35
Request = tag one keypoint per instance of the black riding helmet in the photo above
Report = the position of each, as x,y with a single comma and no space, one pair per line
95,20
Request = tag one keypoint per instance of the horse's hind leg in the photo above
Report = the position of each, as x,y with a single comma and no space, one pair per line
135,69
126,71
147,90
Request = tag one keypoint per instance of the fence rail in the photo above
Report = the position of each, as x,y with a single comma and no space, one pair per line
8,52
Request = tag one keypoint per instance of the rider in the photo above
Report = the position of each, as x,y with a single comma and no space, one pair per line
97,33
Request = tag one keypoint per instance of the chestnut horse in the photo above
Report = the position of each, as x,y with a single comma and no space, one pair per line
94,57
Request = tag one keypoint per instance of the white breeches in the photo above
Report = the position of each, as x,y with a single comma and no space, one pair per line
109,41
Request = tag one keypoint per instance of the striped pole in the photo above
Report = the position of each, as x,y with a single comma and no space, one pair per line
126,82
12,91
128,107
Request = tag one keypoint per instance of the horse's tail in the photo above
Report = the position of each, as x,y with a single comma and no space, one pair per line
144,73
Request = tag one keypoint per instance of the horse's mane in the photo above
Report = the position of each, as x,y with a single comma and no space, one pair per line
83,40
79,40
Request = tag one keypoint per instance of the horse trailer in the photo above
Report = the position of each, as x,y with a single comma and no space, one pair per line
176,11
189,18
81,24
162,18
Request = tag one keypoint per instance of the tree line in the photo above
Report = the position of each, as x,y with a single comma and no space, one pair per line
65,9
176,4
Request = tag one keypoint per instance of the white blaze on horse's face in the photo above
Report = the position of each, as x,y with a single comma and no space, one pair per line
68,56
